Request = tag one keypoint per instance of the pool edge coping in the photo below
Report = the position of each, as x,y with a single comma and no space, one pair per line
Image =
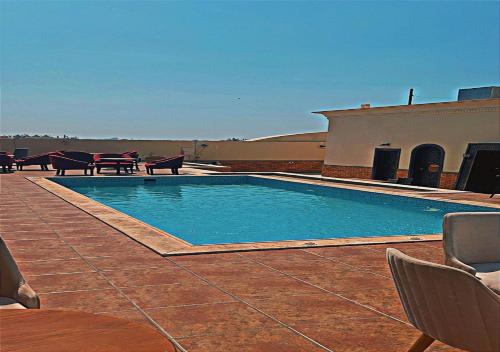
155,239
167,244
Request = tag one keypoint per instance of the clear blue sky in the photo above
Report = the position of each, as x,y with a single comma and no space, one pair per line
231,69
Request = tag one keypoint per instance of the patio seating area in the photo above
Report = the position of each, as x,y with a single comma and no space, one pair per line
62,161
314,299
250,176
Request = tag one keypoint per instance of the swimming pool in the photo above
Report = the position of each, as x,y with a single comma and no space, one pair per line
237,209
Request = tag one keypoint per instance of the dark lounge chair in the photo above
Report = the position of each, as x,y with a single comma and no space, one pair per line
61,164
41,159
78,155
126,165
6,162
20,153
173,163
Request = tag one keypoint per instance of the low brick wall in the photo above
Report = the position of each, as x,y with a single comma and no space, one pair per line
448,179
301,166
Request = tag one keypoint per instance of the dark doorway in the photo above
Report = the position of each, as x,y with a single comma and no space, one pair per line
484,176
385,163
490,154
426,165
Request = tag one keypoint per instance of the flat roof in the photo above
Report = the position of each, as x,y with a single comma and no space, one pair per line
298,135
477,103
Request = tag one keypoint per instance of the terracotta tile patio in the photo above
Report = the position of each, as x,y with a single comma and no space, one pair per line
319,299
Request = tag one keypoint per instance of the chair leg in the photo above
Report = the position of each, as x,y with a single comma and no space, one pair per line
421,344
63,172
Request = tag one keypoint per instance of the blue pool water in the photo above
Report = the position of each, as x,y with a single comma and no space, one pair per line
232,209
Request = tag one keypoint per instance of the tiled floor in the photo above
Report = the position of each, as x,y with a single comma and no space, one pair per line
320,299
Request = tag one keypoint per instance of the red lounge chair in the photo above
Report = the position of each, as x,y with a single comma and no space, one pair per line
61,164
6,162
78,155
173,163
126,165
41,159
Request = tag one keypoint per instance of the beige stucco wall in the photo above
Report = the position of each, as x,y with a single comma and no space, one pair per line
352,137
222,150
215,150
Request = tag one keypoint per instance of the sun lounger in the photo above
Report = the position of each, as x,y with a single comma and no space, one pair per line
78,155
61,164
20,153
173,163
41,159
6,162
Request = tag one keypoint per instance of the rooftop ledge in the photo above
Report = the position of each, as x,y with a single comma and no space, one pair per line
448,106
